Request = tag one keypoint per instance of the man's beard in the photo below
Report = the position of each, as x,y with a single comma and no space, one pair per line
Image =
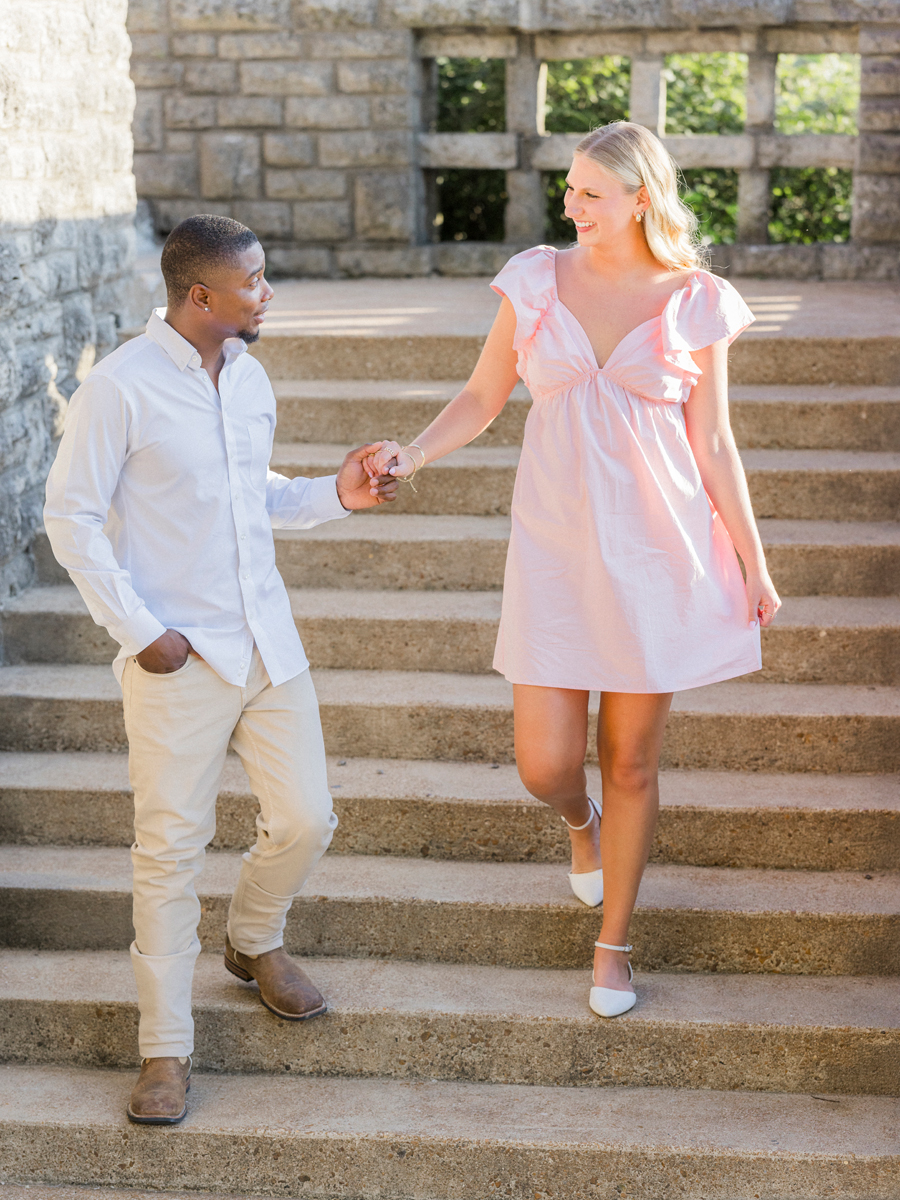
249,336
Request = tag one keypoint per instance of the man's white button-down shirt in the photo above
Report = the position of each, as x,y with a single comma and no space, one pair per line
161,504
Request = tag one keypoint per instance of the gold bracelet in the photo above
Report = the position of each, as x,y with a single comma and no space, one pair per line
409,478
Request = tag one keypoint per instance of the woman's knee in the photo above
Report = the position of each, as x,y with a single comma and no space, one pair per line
627,771
551,778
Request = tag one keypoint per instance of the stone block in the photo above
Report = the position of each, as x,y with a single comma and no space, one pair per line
880,75
226,16
601,14
698,41
306,185
274,78
54,274
879,114
147,125
152,73
806,150
473,258
383,75
326,112
229,166
249,110
776,262
475,45
849,261
879,154
358,261
321,220
387,148
194,45
210,75
803,40
879,39
262,45
876,208
552,46
338,15
149,45
391,112
288,149
169,213
190,112
383,206
476,151
297,262
267,218
179,141
424,14
146,16
369,43
731,12
165,174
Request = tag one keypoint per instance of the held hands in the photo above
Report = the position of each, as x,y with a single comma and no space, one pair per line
391,460
763,601
167,654
359,485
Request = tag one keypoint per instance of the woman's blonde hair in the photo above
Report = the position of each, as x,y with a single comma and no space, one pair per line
634,156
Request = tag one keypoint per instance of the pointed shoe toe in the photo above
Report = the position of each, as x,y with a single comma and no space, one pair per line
607,1002
587,886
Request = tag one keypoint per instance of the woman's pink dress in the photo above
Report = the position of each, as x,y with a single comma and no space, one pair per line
620,575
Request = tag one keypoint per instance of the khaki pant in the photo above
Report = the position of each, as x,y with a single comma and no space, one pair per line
179,729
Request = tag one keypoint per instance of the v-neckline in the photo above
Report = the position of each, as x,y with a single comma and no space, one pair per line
581,329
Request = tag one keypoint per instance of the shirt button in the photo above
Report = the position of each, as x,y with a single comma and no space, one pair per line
245,578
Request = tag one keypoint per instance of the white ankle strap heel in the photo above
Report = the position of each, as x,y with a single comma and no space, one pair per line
587,885
610,1002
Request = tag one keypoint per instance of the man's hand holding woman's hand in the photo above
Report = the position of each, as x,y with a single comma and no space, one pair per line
390,460
358,485
167,654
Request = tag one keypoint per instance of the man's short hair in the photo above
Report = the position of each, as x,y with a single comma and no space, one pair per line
200,245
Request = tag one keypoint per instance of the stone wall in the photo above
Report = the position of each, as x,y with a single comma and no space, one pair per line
67,201
308,119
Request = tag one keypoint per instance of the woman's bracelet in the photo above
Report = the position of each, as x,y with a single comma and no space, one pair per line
409,478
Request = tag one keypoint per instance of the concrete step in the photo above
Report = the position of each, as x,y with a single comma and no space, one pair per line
369,1139
481,812
816,639
788,418
403,1020
434,715
768,360
807,558
361,410
802,485
494,914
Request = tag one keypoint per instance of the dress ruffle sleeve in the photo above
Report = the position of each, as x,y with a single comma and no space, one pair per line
529,282
706,310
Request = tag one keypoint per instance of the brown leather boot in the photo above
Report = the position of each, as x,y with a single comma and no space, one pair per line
158,1096
284,988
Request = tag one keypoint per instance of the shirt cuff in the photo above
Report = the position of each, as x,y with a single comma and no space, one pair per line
136,632
324,499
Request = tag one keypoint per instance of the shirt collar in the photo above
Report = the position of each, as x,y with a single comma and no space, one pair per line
179,349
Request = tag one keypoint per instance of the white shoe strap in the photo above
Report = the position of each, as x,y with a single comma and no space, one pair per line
593,810
607,946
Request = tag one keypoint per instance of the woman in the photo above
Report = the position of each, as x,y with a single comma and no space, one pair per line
629,503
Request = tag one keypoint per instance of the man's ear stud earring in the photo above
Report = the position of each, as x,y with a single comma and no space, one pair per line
206,310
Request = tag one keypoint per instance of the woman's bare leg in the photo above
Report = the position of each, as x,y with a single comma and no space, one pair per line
629,739
551,739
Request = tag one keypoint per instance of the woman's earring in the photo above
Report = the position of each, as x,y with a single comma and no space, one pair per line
639,217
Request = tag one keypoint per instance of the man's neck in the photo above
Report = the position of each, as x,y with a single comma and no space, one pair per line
210,348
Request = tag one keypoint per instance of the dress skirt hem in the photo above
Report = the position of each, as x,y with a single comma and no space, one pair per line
720,676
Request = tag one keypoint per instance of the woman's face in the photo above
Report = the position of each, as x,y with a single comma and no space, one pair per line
598,204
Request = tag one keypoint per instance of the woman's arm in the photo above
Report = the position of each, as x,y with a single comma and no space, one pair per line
722,473
470,412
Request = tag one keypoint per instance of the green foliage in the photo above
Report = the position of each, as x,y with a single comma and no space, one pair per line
705,93
471,95
559,227
817,93
587,92
810,204
472,205
712,194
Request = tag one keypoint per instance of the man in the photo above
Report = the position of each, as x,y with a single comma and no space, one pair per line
160,505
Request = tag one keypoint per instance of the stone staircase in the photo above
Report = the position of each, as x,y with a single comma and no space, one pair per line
459,1060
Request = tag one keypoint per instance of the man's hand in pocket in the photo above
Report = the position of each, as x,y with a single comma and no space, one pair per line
168,653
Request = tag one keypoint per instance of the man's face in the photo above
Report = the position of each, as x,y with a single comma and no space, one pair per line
239,295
